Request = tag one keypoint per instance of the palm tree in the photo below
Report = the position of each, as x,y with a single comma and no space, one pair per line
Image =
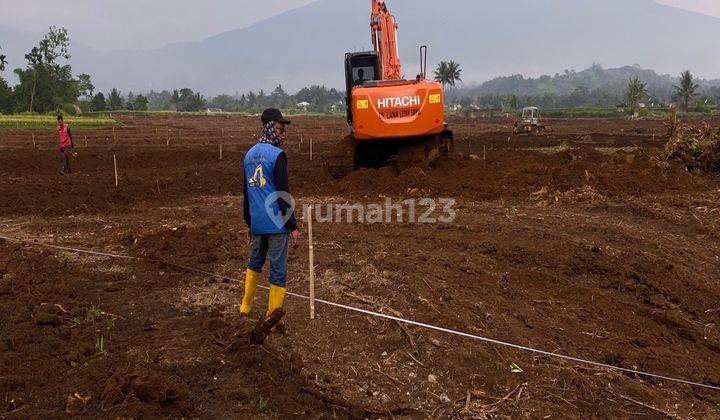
687,89
448,72
3,62
636,91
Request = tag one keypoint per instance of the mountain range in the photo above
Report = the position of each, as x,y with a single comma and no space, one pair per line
488,38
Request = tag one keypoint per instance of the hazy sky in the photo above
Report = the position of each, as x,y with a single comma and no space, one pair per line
144,24
708,7
139,24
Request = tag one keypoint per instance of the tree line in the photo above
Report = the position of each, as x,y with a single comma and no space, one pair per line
627,86
685,92
314,99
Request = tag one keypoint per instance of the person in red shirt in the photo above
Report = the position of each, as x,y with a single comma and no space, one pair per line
66,145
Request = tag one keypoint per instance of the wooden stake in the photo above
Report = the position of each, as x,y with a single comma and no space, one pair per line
483,152
311,256
311,148
116,175
300,144
167,139
85,141
221,151
158,186
34,145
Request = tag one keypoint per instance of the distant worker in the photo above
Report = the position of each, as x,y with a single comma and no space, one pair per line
361,77
268,212
67,146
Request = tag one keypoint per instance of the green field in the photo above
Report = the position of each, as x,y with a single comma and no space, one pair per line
613,112
50,121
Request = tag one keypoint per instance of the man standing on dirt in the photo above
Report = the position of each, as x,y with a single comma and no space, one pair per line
66,145
268,211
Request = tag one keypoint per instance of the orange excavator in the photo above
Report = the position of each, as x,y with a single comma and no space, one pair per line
392,120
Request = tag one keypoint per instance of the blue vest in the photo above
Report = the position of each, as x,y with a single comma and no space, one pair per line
259,167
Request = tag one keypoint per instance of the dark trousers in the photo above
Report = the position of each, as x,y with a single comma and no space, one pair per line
276,246
65,163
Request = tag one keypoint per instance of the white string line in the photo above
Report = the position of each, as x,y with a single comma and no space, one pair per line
393,318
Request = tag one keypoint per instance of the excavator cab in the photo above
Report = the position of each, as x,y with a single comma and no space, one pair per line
360,67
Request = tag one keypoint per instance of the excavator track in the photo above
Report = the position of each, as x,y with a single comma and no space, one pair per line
350,154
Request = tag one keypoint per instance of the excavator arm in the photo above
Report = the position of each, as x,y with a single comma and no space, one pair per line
384,36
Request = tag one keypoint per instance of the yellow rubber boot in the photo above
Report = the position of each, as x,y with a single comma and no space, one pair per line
276,300
251,282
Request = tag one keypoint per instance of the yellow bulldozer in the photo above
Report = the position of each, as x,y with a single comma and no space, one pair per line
530,122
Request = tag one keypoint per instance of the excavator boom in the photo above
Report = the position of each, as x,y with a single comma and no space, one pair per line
384,36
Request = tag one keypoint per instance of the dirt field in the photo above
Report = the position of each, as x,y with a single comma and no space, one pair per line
580,243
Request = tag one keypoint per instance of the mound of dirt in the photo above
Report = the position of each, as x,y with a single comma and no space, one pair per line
383,180
151,388
521,173
198,246
697,147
